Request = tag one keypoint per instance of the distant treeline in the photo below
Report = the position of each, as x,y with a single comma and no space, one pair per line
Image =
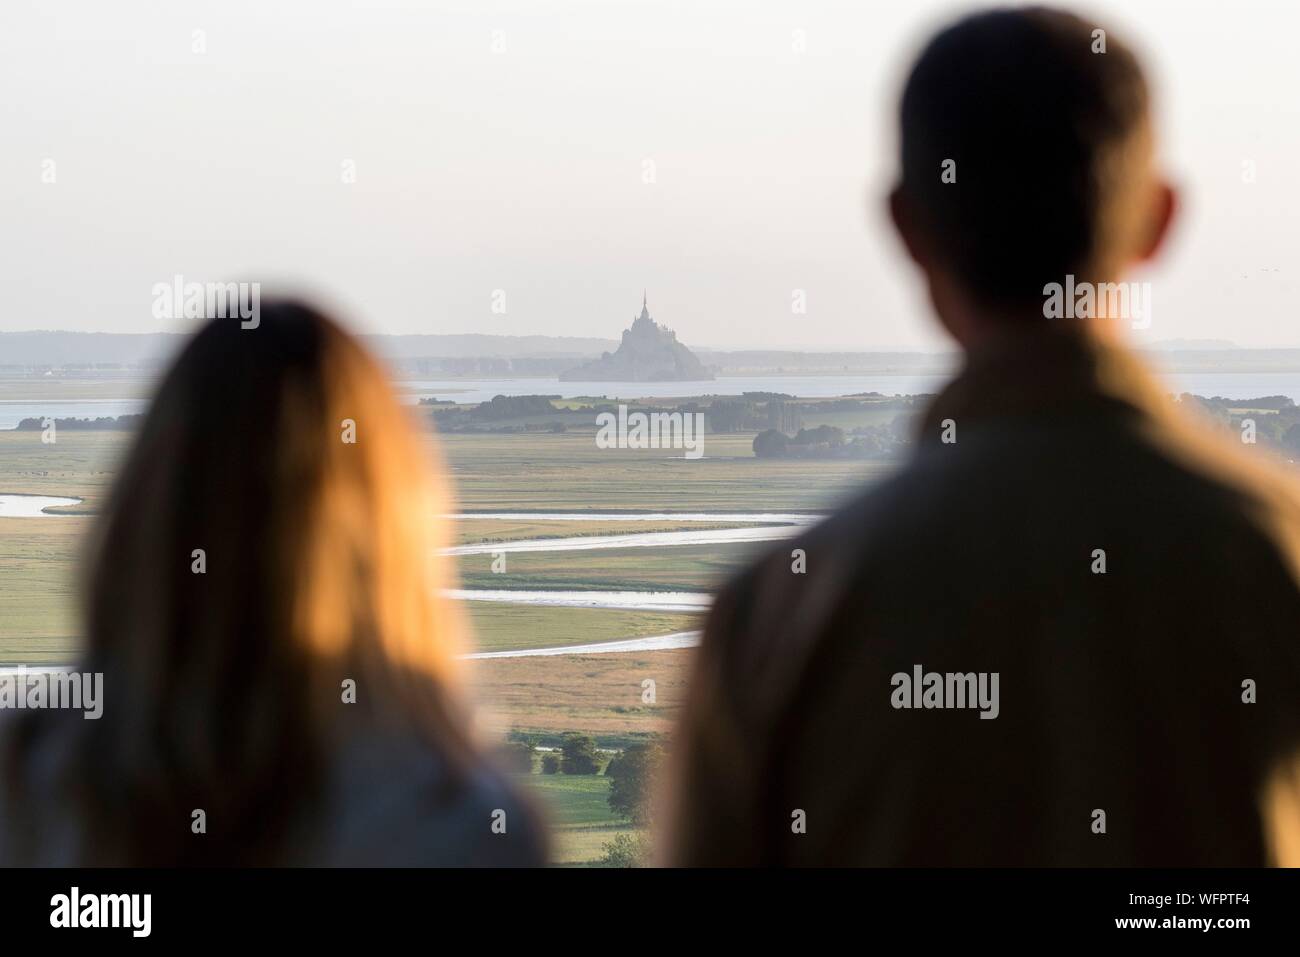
830,442
749,412
105,423
501,413
787,413
512,407
1277,402
1273,420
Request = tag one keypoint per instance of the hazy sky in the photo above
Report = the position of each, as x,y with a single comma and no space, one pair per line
503,146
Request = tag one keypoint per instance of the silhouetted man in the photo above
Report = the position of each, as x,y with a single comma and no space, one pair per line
1066,632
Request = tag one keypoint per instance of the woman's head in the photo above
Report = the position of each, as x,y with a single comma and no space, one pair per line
266,580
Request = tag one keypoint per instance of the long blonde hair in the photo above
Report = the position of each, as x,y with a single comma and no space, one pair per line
271,549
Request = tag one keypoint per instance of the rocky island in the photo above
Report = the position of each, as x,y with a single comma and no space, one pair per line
649,352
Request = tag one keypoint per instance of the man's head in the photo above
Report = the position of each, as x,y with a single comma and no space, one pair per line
1027,156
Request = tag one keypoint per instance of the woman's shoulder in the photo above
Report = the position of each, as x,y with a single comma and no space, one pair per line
385,801
39,826
396,802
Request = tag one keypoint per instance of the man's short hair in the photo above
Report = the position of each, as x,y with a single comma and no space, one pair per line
1037,123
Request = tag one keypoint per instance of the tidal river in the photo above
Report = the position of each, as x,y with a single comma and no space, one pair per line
782,525
768,526
678,639
32,506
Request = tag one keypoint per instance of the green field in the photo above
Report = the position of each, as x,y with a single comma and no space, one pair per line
562,472
578,811
77,464
533,471
39,556
680,568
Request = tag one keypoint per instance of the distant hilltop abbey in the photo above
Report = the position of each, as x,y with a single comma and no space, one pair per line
649,352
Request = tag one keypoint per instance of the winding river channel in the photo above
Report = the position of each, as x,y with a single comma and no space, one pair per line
33,506
762,527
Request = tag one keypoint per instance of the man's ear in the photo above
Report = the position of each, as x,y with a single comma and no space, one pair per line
1164,207
900,212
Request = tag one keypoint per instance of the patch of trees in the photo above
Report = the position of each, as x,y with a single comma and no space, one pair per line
513,407
771,444
578,754
1276,423
104,423
784,413
626,850
632,774
827,435
753,410
829,442
1277,402
496,414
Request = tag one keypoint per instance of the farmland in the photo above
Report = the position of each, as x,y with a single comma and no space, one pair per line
521,471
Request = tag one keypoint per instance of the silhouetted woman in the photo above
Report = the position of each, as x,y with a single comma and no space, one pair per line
280,671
